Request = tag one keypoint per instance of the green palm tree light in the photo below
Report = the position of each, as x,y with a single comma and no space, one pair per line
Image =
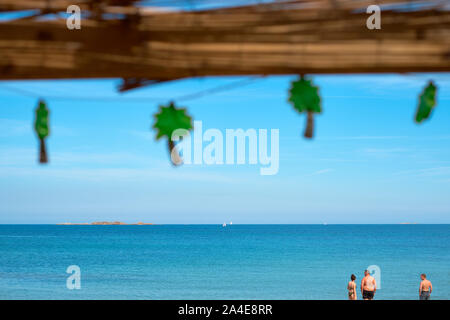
427,102
41,126
305,98
167,121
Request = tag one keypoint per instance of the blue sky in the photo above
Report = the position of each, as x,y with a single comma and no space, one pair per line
369,162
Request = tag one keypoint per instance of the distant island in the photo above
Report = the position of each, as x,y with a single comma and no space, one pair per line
105,223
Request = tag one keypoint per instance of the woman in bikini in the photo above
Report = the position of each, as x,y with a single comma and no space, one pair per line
351,287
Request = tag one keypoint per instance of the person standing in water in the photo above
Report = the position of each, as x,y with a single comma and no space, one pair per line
368,286
351,287
425,288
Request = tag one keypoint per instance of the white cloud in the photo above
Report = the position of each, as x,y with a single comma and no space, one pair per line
115,175
319,172
384,152
22,162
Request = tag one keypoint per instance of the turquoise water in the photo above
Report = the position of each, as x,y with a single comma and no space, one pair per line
212,262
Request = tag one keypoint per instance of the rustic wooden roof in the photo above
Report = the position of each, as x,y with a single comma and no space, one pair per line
126,39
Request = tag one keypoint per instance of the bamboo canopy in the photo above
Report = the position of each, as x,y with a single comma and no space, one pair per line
159,42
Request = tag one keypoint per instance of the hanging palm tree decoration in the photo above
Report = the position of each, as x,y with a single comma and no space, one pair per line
167,121
427,102
305,98
41,126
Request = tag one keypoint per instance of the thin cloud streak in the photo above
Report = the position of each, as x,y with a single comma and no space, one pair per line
115,175
427,172
320,172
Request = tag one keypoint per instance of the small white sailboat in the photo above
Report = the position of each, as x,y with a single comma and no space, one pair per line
231,223
224,225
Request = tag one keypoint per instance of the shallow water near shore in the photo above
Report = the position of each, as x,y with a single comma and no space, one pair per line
213,262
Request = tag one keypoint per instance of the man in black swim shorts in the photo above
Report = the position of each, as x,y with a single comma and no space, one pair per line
367,295
368,286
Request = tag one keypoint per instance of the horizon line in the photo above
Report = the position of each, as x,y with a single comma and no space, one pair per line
213,224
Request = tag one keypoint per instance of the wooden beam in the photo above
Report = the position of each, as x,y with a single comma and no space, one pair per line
187,44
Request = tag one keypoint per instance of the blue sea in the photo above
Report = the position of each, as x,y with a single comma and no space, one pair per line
213,262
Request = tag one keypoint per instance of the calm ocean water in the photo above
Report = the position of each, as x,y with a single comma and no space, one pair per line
212,262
